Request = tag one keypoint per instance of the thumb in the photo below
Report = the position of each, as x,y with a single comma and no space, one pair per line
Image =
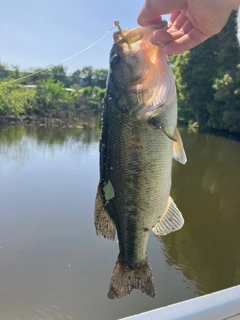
153,9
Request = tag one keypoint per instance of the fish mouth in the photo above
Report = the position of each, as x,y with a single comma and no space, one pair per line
138,41
132,36
138,38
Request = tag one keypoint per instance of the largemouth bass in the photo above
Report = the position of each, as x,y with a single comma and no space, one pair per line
138,140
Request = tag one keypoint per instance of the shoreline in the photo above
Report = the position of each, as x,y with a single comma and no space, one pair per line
67,119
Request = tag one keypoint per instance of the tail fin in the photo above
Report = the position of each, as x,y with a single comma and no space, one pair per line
124,279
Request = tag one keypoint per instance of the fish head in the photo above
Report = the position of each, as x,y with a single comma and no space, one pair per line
139,75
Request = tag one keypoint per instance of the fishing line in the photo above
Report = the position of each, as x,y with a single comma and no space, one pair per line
116,24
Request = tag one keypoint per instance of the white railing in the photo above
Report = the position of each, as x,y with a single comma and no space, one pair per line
221,305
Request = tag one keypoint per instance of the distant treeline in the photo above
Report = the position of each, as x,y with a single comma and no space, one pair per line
51,93
207,80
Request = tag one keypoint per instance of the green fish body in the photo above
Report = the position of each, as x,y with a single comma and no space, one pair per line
138,140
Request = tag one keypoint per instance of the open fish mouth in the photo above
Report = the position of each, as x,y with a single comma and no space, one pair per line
134,35
130,40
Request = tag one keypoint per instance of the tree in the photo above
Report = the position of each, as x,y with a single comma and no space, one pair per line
16,72
76,75
194,71
4,71
37,75
52,98
86,74
101,77
89,77
227,83
15,99
208,81
59,74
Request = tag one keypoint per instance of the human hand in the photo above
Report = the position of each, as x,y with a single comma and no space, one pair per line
191,21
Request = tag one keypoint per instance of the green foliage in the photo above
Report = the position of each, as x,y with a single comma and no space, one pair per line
90,77
59,74
194,78
15,99
87,91
85,77
87,74
101,77
52,97
92,97
208,82
4,71
180,63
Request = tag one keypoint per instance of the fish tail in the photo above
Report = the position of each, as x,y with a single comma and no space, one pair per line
125,278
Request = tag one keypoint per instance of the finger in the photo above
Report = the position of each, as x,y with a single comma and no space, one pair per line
187,42
179,21
163,37
186,28
153,9
174,16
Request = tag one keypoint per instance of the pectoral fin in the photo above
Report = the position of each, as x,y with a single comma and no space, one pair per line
167,133
178,150
170,221
103,222
162,127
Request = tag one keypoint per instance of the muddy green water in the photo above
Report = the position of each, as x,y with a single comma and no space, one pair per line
52,264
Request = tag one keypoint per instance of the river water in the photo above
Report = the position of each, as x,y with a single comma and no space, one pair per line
53,266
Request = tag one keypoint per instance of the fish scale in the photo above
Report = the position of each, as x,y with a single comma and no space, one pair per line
139,197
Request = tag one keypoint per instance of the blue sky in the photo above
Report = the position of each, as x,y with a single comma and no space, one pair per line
41,33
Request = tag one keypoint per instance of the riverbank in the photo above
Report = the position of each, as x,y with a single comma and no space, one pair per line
73,119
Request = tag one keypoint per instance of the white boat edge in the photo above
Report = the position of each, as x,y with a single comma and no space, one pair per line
220,305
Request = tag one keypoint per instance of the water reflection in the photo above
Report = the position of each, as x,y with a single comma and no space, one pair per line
52,265
20,143
207,248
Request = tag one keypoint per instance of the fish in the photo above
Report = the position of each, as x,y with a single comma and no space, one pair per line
139,138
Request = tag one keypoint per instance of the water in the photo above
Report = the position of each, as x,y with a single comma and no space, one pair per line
52,264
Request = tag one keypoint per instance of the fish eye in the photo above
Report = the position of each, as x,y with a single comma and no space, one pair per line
115,59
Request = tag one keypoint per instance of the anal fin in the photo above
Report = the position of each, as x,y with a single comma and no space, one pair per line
170,221
104,224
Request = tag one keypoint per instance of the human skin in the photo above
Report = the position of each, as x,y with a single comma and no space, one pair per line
191,21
